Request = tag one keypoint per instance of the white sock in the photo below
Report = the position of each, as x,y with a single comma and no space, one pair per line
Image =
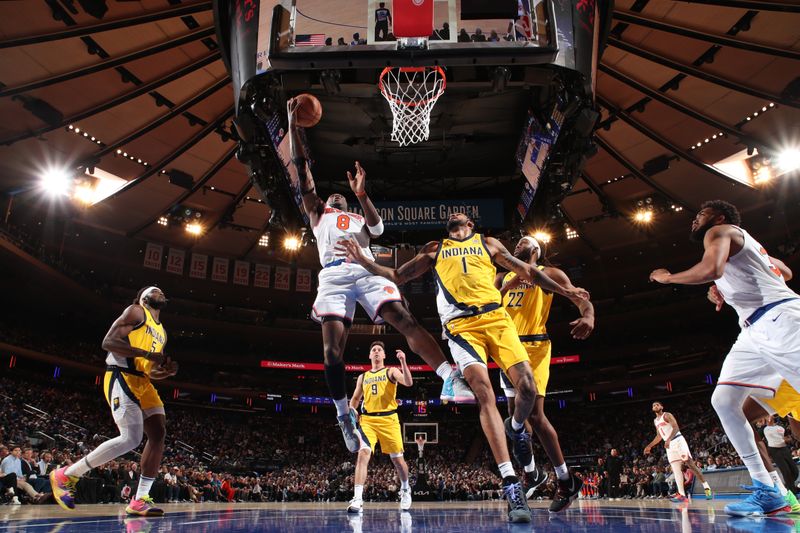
404,485
532,466
516,426
342,406
676,470
506,469
144,487
706,485
562,472
358,492
778,483
78,469
444,371
757,469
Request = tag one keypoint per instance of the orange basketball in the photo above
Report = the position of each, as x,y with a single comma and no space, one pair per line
309,110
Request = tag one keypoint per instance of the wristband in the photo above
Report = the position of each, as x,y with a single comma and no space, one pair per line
361,194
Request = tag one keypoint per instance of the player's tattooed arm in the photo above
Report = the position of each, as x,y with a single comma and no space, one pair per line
529,273
116,340
312,203
420,264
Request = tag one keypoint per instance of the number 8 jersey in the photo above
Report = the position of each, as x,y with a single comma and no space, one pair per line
464,275
334,225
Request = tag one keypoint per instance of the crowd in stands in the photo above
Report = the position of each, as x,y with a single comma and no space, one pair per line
217,455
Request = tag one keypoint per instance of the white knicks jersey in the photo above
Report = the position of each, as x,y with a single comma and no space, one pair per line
751,280
333,226
663,427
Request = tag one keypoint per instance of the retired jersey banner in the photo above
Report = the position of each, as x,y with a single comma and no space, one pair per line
262,275
152,256
241,273
175,260
198,266
303,281
219,271
427,214
282,278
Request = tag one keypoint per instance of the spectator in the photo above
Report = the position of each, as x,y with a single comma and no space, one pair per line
493,37
329,41
478,37
341,42
383,18
463,36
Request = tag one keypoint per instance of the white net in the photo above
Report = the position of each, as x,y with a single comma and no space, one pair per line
411,93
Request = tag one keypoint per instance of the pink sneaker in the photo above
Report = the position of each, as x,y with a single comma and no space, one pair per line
63,487
143,507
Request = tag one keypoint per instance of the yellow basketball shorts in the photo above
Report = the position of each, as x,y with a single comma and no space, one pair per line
474,339
131,397
785,402
539,354
384,429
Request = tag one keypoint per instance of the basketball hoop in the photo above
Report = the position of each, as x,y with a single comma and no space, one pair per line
420,443
411,92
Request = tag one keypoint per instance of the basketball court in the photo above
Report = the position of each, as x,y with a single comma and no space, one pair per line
626,516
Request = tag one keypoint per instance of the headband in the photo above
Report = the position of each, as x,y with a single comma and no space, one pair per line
535,244
146,293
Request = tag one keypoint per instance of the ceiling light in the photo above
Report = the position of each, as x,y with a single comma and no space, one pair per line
55,182
788,160
643,216
85,194
194,228
542,236
291,243
163,221
571,233
264,240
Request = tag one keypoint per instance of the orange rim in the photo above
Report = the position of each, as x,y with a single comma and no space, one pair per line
391,97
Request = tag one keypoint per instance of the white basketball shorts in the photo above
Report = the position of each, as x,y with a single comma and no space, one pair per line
678,450
340,287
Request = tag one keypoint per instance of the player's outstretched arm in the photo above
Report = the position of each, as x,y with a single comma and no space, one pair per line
717,244
116,340
421,263
312,203
403,375
358,393
582,327
528,272
374,226
652,443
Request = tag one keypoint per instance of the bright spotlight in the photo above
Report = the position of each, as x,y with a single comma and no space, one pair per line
55,182
291,243
542,236
85,194
788,160
264,240
194,229
643,216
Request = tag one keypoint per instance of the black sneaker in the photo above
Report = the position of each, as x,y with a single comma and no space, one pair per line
518,510
533,480
521,441
566,493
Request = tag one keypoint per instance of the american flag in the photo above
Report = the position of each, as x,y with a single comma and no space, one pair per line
314,39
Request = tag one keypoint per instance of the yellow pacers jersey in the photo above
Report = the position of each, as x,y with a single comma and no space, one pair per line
380,393
464,275
150,337
529,307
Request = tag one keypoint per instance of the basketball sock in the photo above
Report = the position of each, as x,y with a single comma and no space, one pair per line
727,401
444,371
778,483
676,470
342,406
404,485
358,492
562,472
144,487
336,378
532,466
706,485
78,469
506,469
516,426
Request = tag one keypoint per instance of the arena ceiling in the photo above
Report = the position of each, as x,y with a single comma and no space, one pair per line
138,90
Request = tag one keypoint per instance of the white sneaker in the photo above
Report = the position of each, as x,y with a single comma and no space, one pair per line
356,505
405,499
455,389
15,501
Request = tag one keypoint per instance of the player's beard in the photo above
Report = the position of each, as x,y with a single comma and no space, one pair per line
157,304
524,255
698,234
454,224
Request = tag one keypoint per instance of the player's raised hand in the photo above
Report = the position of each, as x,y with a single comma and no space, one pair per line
357,182
350,250
660,275
715,297
401,356
292,104
582,328
580,292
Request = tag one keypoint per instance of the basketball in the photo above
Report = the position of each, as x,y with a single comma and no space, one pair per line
309,111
